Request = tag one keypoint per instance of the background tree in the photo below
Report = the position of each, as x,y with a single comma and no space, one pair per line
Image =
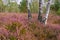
13,7
28,9
2,7
23,6
34,6
56,7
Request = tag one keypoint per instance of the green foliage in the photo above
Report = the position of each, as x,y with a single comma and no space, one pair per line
58,12
46,0
34,6
56,7
23,6
56,4
13,7
1,6
52,7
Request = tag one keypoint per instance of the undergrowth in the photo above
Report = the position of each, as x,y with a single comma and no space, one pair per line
43,33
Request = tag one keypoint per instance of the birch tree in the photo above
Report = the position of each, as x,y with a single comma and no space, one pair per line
47,12
28,8
40,11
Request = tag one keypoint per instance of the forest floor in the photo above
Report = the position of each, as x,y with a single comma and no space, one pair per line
16,26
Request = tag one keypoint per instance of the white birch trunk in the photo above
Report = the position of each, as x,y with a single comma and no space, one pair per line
28,8
40,11
47,11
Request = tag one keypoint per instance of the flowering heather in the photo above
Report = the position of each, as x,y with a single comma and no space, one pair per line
16,26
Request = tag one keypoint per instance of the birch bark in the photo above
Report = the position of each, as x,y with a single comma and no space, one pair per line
47,11
28,8
40,11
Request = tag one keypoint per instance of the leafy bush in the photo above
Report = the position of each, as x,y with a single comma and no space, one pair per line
23,6
10,7
52,7
13,7
56,7
58,12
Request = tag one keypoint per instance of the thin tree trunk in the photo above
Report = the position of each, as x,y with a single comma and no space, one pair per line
47,12
40,11
28,8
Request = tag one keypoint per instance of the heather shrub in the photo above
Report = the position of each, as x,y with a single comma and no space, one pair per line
43,33
32,26
2,37
12,27
51,34
23,31
46,34
56,21
12,37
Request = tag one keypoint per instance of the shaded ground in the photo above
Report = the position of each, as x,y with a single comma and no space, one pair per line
15,26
